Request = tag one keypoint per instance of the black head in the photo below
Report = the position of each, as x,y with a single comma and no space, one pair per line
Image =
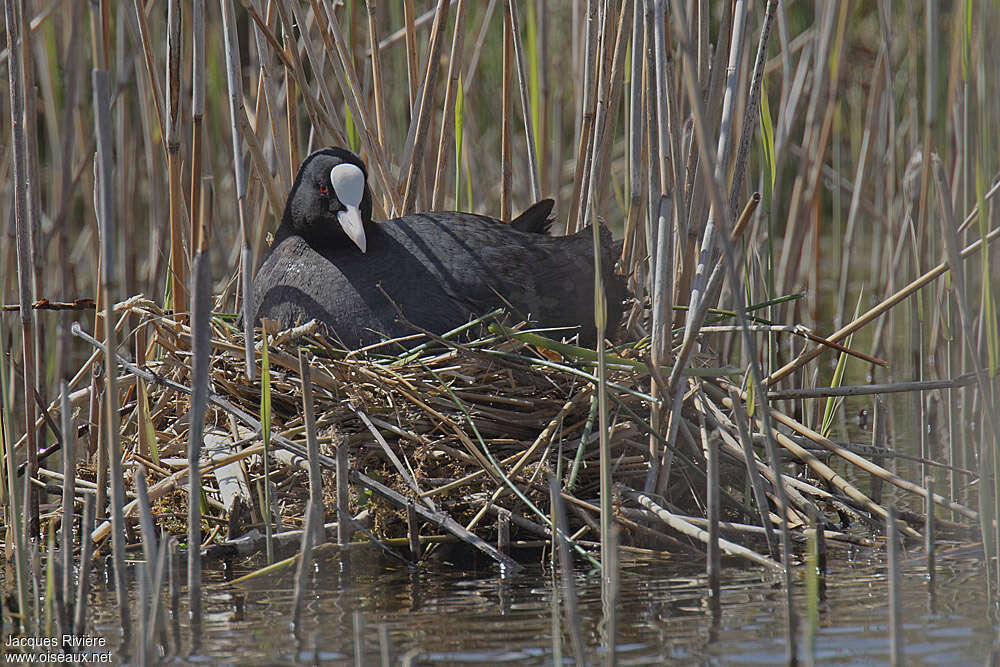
330,203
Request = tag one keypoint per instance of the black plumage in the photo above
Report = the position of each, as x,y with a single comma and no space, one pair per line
331,262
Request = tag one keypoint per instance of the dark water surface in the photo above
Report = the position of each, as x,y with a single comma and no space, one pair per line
440,615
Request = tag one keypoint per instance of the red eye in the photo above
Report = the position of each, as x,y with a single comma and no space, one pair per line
323,189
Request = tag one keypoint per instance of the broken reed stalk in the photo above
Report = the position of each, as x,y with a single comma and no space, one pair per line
109,288
359,639
930,530
83,576
686,528
149,591
167,546
15,76
149,537
69,488
385,646
201,350
142,601
561,546
503,531
812,587
609,604
309,536
714,558
413,533
896,642
312,443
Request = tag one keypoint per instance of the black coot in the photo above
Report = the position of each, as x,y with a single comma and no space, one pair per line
331,262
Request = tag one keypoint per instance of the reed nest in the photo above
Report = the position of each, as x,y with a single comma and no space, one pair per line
470,429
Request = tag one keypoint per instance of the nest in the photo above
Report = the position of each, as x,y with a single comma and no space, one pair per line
472,437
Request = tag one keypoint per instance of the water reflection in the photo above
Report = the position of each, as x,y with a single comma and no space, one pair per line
440,615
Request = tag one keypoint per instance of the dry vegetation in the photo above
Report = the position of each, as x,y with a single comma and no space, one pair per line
860,172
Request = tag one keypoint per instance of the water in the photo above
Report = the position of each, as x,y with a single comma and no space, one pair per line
440,615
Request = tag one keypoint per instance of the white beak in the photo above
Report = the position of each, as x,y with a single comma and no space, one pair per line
348,183
350,220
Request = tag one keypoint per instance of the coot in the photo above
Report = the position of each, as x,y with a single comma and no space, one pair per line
331,262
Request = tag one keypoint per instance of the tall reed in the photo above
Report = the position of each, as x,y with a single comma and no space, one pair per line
655,115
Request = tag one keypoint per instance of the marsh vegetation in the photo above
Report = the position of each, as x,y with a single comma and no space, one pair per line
804,195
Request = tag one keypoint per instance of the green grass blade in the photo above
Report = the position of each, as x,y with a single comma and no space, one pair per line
534,79
989,310
353,138
834,402
767,141
459,114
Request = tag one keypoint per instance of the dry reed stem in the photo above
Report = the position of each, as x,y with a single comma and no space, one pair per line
197,115
506,109
410,32
109,288
377,89
529,130
412,384
440,434
24,272
447,111
348,79
154,79
424,111
178,266
878,310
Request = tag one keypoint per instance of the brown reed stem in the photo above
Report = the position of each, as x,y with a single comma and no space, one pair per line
15,75
447,111
235,89
424,111
197,113
178,266
377,89
522,79
109,287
